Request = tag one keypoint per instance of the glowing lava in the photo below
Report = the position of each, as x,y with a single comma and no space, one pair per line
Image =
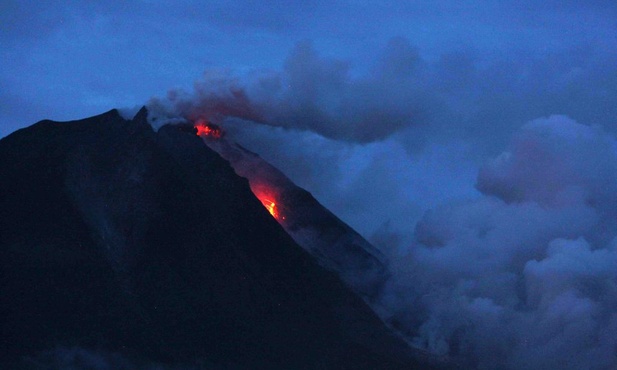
271,207
265,197
208,129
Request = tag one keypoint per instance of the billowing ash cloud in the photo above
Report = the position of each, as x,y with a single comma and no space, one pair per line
217,97
554,161
525,277
314,94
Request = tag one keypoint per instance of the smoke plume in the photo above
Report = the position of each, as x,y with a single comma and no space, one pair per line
519,272
525,277
312,93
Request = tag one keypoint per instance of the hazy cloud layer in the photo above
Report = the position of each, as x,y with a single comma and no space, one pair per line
524,277
447,113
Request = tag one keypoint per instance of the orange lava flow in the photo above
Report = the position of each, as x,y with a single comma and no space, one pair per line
208,129
266,197
271,207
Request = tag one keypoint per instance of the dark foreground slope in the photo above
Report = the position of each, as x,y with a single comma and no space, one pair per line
335,245
147,246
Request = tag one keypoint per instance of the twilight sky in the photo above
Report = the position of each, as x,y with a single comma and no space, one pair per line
479,133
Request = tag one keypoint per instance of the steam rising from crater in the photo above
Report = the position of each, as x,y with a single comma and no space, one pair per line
521,274
311,93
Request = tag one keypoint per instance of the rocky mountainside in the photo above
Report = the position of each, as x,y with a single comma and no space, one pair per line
128,248
335,245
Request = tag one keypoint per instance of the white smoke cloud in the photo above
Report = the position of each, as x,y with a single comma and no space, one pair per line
492,280
312,93
554,161
524,277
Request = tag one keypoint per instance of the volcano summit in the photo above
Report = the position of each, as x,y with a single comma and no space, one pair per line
122,247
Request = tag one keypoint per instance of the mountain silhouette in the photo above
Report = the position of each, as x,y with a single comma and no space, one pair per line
122,247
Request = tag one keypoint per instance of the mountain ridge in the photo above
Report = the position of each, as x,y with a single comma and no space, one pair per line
117,238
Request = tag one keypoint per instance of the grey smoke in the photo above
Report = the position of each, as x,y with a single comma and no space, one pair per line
313,93
518,273
524,277
460,94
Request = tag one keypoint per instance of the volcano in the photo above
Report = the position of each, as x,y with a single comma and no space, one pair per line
334,245
126,248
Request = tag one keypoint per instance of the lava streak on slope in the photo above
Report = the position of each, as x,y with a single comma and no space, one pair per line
271,206
268,200
265,194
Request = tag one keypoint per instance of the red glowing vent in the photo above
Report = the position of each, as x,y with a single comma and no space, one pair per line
210,130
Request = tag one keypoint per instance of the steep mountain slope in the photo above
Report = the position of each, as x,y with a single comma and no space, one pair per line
116,239
334,244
